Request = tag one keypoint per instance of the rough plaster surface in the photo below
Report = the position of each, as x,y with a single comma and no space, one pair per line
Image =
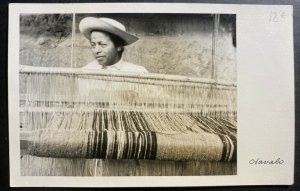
181,46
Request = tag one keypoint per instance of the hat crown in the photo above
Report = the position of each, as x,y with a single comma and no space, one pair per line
89,24
114,23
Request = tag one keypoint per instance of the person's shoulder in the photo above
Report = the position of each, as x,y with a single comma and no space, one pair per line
130,67
92,65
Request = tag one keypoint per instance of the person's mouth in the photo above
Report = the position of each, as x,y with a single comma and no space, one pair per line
100,57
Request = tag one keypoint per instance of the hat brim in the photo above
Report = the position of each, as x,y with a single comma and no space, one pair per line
89,24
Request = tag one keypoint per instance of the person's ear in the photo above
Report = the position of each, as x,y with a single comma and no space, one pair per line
120,48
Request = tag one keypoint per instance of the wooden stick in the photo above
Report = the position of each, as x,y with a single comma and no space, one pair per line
78,71
124,108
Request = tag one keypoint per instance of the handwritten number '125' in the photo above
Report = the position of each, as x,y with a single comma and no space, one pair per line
276,17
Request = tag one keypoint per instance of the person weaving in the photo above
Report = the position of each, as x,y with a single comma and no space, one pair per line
108,38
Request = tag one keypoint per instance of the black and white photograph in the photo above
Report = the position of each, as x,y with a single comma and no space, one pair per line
150,95
128,94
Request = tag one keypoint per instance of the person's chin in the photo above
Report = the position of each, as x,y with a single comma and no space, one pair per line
101,60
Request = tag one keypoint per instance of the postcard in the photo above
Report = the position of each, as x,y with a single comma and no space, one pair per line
150,95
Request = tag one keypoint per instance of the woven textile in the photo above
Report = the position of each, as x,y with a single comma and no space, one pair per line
135,135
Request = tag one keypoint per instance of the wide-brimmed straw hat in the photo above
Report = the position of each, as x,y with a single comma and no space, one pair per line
89,24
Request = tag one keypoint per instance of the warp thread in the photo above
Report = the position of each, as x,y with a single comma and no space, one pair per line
113,117
49,166
82,91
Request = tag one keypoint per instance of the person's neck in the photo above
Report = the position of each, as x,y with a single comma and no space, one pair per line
115,62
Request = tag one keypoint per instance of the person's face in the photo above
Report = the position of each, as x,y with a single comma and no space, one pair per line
104,49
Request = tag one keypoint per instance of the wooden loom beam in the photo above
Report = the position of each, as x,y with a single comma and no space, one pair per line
78,71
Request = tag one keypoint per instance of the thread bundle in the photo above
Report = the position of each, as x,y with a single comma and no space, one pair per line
110,134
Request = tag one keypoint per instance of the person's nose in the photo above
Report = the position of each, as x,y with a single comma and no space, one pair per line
98,49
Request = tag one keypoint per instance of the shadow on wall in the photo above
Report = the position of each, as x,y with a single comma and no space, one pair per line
179,44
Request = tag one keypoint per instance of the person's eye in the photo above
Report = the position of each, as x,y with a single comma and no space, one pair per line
103,45
92,44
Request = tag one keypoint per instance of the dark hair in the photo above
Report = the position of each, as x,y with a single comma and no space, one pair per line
118,42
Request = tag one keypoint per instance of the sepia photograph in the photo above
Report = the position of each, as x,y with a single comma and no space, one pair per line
150,95
128,94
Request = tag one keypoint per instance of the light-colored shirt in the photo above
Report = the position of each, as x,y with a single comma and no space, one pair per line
121,66
96,89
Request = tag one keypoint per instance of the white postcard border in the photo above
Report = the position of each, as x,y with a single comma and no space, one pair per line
265,73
